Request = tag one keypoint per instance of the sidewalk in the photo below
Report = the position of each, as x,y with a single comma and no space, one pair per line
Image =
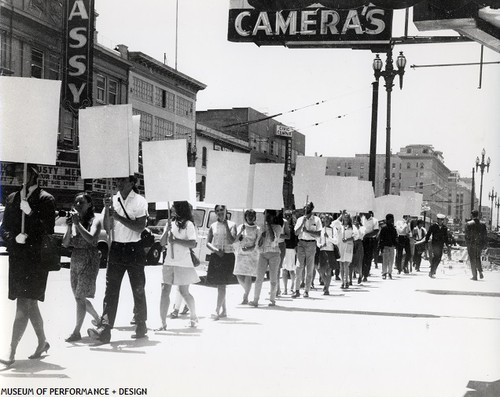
411,336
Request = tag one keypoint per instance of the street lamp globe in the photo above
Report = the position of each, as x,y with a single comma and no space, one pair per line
401,61
483,152
377,65
477,163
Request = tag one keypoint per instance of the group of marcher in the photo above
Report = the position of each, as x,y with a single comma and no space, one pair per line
340,246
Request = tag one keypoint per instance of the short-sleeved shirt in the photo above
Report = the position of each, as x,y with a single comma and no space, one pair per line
403,228
370,225
312,223
136,207
220,238
326,242
182,256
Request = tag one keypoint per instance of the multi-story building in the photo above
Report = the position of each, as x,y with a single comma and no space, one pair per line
459,197
358,166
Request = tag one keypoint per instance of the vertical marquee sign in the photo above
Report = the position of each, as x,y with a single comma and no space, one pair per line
295,23
78,54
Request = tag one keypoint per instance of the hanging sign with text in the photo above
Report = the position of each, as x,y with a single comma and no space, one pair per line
78,54
309,26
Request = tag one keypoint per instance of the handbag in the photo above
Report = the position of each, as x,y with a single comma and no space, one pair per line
336,251
196,261
50,259
147,237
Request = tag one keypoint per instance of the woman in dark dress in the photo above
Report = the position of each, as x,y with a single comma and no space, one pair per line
27,277
82,234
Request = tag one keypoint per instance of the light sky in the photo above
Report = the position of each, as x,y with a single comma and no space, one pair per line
439,106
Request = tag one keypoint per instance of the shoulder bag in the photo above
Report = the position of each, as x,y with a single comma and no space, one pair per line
147,238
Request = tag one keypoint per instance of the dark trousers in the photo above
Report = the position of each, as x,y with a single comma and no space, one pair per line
403,244
436,251
417,259
475,260
130,258
369,245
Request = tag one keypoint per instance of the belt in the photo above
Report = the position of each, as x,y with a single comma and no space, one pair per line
307,241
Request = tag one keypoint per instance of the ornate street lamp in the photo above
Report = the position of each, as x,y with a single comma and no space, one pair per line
482,166
492,196
388,74
497,204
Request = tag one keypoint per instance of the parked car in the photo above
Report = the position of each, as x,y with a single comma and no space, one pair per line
153,252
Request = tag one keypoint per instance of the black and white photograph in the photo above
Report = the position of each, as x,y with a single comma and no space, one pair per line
250,198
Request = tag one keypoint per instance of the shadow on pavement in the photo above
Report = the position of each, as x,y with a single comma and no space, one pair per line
33,369
483,389
471,293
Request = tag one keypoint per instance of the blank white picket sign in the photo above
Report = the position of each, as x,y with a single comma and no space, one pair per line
165,170
29,120
267,184
104,141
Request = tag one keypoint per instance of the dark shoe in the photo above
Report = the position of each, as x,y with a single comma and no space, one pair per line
306,294
359,280
185,310
337,278
474,278
38,353
350,282
102,334
244,301
481,275
390,276
140,331
383,276
133,321
326,293
174,314
296,294
73,337
253,303
431,275
273,303
365,279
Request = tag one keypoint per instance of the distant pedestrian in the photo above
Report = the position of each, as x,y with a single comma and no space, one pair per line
419,233
307,229
476,237
387,244
220,239
369,243
438,236
269,256
285,234
289,263
82,233
403,230
27,276
247,255
327,242
356,266
346,248
178,269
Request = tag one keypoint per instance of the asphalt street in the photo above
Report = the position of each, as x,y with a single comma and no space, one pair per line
410,336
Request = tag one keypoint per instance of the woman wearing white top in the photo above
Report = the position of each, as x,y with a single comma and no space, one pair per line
178,268
346,248
327,241
247,255
269,257
358,252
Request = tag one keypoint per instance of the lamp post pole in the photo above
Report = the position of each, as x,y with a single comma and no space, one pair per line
492,196
482,165
389,74
497,204
373,137
472,192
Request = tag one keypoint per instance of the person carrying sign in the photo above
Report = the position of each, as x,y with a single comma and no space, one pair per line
27,276
125,216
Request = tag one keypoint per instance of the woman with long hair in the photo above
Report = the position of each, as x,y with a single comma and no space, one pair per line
346,248
178,269
269,256
246,254
326,253
220,239
356,265
82,233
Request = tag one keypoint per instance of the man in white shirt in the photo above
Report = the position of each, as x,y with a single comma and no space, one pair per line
125,218
369,243
403,229
308,230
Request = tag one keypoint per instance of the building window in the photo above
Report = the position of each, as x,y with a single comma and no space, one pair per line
362,166
36,63
421,185
184,132
204,156
422,165
393,165
408,165
184,108
3,50
393,175
54,67
163,128
142,90
408,150
101,88
146,126
425,151
338,173
112,92
68,125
